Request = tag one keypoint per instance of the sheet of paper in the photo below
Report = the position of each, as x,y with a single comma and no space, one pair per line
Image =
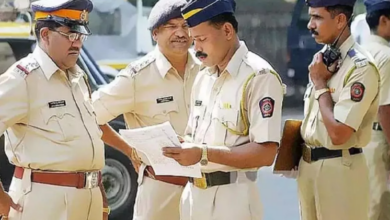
150,140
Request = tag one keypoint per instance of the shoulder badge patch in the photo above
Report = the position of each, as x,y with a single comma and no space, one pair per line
357,58
26,66
134,67
357,91
267,105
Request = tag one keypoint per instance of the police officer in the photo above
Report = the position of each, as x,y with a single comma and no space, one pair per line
150,91
377,151
359,28
234,126
50,128
340,105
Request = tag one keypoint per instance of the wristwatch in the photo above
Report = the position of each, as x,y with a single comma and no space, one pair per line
204,159
319,92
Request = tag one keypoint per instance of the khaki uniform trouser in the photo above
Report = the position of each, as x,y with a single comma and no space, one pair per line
334,189
156,200
48,202
378,162
236,201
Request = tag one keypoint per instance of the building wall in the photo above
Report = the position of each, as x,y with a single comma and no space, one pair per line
263,26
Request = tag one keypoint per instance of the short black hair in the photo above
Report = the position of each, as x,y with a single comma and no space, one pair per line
42,24
372,18
219,20
341,9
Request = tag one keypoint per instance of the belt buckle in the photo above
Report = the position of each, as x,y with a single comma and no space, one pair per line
376,126
201,182
307,154
91,180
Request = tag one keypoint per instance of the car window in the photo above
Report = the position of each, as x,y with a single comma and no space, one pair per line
7,57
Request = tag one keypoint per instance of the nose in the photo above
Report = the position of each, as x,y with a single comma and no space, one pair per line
197,46
182,32
310,25
77,43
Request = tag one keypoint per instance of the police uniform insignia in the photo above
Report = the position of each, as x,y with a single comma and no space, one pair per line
84,16
26,66
135,67
357,58
357,91
267,107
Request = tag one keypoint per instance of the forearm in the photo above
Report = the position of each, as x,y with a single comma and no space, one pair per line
251,155
104,196
113,139
384,120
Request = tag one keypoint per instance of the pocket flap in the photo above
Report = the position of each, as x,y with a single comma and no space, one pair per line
226,115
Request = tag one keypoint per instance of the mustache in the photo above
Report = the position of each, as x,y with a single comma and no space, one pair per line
314,32
74,49
180,39
201,54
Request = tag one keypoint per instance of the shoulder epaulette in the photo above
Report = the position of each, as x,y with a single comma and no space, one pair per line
134,67
358,58
26,66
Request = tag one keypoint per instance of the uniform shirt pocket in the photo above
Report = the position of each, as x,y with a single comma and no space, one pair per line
163,111
61,121
225,121
197,117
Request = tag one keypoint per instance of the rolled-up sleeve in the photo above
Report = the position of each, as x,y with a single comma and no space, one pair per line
265,108
357,96
13,99
115,98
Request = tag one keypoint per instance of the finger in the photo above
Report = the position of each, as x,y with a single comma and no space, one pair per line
172,150
173,156
319,57
16,207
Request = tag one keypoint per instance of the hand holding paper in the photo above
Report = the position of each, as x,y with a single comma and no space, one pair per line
151,140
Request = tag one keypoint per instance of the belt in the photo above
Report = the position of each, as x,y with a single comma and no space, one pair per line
175,180
376,126
314,154
212,179
80,180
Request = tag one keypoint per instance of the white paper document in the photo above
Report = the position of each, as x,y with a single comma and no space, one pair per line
150,140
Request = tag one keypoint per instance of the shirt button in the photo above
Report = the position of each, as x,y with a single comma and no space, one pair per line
165,112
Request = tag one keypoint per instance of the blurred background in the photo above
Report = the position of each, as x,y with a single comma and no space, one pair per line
274,29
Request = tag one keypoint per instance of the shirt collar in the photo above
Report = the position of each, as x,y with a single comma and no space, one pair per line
346,46
235,62
377,39
45,62
163,65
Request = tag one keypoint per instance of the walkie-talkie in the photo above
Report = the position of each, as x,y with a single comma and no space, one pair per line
332,54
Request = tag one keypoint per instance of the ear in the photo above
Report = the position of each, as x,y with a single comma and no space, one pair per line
383,20
228,30
154,34
44,34
341,20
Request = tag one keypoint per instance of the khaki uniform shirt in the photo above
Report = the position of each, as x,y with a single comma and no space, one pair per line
48,119
148,92
354,90
379,48
216,105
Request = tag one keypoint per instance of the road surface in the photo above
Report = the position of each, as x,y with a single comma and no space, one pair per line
279,194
